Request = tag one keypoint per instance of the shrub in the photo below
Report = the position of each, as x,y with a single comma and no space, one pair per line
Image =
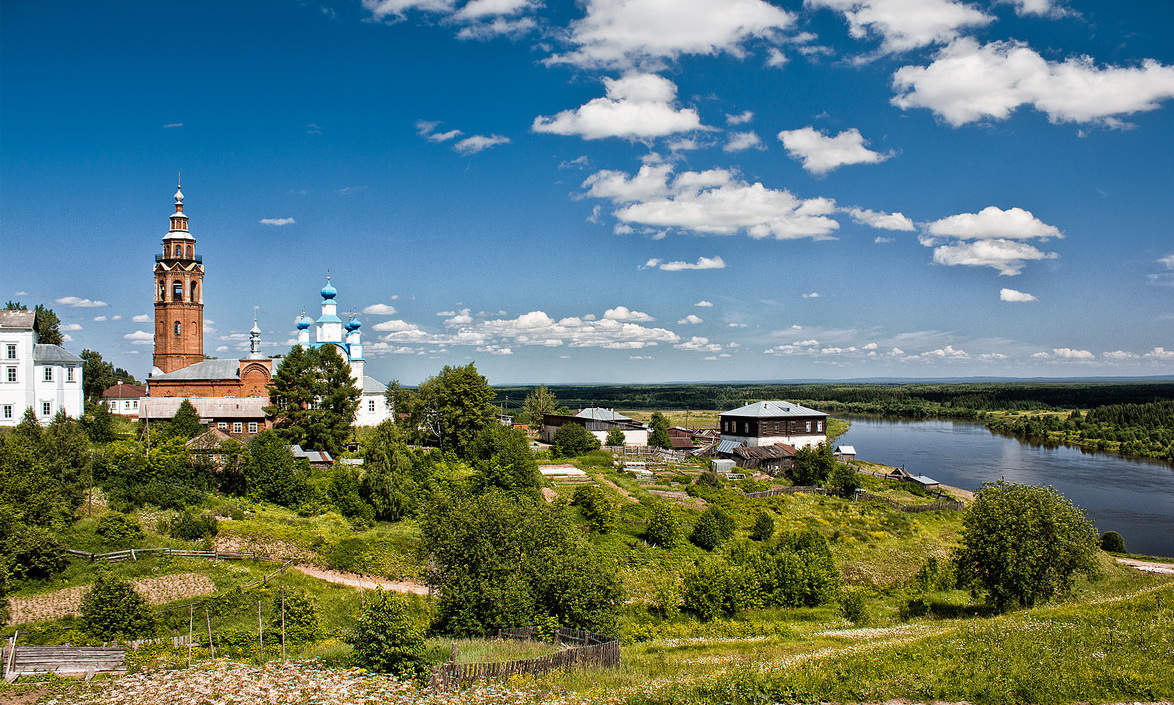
113,609
843,480
192,527
118,528
597,509
615,437
1112,542
933,576
301,616
852,606
764,526
572,440
387,639
709,479
664,528
714,528
714,588
34,553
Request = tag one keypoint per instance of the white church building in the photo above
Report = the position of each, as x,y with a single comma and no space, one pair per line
330,330
45,378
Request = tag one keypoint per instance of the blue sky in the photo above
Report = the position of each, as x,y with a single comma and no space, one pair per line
613,190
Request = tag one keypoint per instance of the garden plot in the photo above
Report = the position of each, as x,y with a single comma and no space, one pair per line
63,603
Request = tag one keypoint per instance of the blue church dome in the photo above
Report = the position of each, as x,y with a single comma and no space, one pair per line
328,291
304,322
353,324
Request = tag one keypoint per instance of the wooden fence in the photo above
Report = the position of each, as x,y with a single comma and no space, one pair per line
939,506
134,554
787,490
16,661
592,650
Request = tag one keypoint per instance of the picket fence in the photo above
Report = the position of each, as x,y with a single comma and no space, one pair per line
593,650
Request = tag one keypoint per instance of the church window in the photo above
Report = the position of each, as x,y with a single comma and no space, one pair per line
48,374
178,328
177,290
69,375
194,298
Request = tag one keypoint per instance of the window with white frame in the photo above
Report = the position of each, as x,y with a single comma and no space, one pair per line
48,374
134,403
11,355
8,411
11,375
371,405
46,408
252,427
69,374
236,426
223,425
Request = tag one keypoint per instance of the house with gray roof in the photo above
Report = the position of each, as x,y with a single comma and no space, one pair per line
34,375
769,422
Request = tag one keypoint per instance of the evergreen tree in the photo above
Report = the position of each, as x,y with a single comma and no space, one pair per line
271,472
46,323
387,639
185,423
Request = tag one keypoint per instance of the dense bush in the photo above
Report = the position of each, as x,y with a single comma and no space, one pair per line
112,609
712,529
615,437
301,616
572,439
664,527
715,588
188,526
118,528
709,479
501,455
1112,542
852,606
597,509
387,639
34,553
843,480
764,526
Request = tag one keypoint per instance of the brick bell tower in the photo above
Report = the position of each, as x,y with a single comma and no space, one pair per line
179,296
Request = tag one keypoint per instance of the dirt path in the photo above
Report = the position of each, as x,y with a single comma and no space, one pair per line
1149,566
598,477
365,582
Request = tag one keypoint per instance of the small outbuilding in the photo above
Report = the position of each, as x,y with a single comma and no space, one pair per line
845,453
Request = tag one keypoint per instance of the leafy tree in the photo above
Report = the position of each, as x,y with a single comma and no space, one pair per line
189,526
712,529
538,403
344,494
812,465
1112,542
715,588
572,440
112,608
30,481
597,509
185,423
387,639
313,398
500,560
843,480
67,455
457,405
1023,544
615,437
98,423
396,479
764,526
46,323
97,375
501,455
664,526
271,471
659,437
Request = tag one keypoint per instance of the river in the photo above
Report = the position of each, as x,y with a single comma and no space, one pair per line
1132,496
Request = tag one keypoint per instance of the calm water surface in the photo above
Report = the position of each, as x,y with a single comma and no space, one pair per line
1134,497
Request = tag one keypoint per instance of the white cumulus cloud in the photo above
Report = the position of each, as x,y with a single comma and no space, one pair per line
1016,296
620,33
701,263
691,319
821,153
380,310
704,304
78,302
141,318
741,141
715,201
623,313
638,106
992,238
699,344
906,24
882,220
277,221
140,337
71,327
968,82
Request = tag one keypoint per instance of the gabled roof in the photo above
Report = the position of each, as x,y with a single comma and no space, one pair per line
727,447
771,410
846,450
17,320
244,408
598,414
209,440
53,353
373,386
208,369
124,391
776,450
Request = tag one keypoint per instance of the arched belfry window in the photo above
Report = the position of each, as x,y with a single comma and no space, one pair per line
177,290
178,328
162,291
194,298
189,251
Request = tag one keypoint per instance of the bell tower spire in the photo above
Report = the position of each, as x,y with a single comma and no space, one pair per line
179,295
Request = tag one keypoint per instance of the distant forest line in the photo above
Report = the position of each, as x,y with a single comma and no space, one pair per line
1131,418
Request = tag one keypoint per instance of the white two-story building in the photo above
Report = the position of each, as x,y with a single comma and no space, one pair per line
45,378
